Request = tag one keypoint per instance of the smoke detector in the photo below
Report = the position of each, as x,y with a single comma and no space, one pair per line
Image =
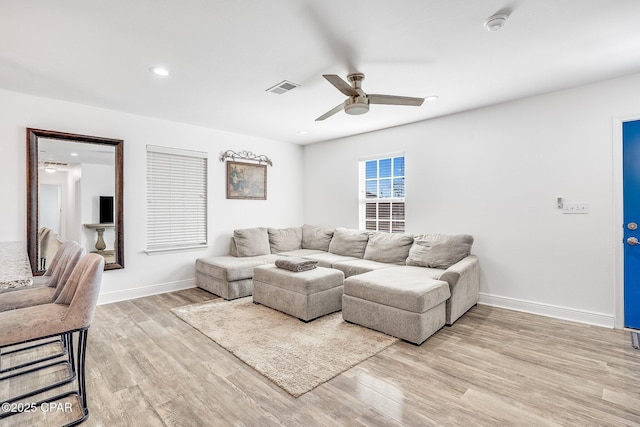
495,22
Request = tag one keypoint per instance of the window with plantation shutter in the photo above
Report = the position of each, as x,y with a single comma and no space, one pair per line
176,199
382,194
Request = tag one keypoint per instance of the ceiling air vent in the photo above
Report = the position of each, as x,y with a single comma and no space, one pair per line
48,164
282,87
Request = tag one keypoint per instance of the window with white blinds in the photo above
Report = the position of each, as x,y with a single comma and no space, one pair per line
176,199
382,194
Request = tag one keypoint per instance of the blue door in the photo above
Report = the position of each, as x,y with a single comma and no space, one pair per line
631,199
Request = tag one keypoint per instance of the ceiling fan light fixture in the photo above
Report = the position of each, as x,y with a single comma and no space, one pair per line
357,106
356,109
496,22
431,98
358,101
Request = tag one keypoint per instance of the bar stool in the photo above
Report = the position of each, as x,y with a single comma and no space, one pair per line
55,266
71,314
28,297
69,257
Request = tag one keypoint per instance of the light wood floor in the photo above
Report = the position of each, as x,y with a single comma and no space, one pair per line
493,367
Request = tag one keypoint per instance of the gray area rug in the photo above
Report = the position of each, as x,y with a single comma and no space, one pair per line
296,356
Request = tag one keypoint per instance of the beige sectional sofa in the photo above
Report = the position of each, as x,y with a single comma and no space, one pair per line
409,267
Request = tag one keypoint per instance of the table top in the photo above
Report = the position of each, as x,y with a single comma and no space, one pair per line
108,225
15,270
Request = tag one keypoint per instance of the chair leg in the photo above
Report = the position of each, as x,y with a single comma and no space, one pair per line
74,360
82,386
70,362
62,352
81,393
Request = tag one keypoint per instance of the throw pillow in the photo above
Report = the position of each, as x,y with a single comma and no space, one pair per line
233,249
392,248
316,237
347,242
285,239
252,241
439,250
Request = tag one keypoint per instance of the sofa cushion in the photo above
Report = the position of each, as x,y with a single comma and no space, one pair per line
316,237
233,249
327,259
359,266
252,241
229,268
302,253
392,248
285,239
348,242
305,282
439,250
401,287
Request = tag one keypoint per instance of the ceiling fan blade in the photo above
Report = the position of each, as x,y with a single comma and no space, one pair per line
330,33
332,111
340,84
394,100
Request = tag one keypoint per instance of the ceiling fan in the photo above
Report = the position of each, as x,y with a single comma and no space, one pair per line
358,101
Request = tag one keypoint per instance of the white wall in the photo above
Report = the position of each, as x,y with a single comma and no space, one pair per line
46,208
96,181
73,209
144,274
495,173
67,180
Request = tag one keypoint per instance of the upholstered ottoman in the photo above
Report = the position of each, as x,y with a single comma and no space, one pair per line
305,294
398,302
229,276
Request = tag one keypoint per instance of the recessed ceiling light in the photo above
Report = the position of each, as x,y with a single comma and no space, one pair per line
159,71
74,154
50,170
431,98
302,132
495,22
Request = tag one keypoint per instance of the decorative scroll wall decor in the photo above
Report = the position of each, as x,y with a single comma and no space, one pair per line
246,180
245,155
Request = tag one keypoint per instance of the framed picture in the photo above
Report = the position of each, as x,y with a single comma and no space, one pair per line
246,181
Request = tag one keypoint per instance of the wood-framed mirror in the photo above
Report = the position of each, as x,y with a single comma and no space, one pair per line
74,192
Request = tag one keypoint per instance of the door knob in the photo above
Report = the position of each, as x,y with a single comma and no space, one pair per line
632,226
632,241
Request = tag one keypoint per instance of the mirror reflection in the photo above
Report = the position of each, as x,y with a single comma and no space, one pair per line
76,188
75,191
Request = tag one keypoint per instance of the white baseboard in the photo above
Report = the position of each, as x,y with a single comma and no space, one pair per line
558,312
145,291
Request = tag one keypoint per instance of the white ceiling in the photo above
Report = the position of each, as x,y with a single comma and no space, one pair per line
75,153
224,54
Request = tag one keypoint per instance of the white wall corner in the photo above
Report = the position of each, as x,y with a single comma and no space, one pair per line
145,291
557,312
